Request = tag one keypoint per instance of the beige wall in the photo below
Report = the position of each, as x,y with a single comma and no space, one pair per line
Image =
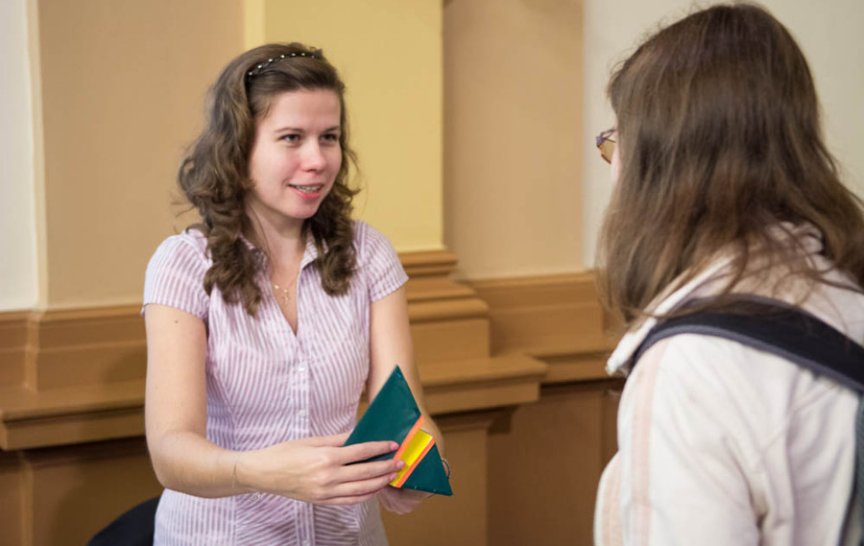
829,33
512,150
122,92
119,91
18,245
389,54
114,107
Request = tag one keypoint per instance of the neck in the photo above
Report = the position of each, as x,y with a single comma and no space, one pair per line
284,244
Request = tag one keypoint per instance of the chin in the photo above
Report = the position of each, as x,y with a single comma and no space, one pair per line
303,213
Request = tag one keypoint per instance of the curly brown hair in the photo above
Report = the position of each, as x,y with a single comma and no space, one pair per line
214,175
720,138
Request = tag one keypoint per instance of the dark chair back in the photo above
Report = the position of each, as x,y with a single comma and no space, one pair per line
132,528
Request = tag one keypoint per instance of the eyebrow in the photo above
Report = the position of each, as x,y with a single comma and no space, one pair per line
299,130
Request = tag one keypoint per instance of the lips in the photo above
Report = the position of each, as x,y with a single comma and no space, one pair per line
309,192
307,188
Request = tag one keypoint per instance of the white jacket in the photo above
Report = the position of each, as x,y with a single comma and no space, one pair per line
722,444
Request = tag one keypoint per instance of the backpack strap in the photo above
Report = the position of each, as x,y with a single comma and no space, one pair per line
856,505
777,328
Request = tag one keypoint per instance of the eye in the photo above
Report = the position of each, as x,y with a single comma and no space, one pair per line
291,138
332,138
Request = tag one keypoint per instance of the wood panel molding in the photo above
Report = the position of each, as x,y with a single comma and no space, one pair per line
14,337
75,376
555,318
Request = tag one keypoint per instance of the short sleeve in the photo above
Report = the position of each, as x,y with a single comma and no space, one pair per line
175,275
379,262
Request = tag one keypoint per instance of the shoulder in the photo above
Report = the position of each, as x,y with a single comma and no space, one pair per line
182,254
370,243
189,240
190,245
176,272
694,366
708,364
688,390
840,304
708,379
377,261
365,235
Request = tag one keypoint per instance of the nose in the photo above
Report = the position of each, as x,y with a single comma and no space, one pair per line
313,156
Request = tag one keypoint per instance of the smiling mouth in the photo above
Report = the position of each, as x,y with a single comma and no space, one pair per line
314,188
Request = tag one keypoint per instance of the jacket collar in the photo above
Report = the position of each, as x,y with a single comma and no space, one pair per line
619,362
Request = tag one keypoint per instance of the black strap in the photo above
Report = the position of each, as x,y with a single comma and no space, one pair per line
857,508
777,328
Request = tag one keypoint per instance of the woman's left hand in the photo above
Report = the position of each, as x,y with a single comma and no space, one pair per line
401,501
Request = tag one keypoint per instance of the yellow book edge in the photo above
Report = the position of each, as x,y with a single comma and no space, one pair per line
415,446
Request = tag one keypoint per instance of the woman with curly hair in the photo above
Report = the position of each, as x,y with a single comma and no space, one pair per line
725,194
266,321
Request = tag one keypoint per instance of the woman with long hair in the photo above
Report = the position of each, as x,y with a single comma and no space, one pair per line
266,321
723,189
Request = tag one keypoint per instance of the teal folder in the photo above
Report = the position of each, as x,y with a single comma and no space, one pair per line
393,415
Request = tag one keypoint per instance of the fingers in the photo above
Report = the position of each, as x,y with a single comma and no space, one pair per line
348,492
361,452
324,470
368,471
353,453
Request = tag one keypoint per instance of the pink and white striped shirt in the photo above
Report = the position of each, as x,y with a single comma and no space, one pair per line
266,385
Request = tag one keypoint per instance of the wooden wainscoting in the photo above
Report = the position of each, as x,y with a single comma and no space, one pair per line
545,461
512,370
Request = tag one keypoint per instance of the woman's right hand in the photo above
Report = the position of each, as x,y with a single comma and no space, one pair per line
318,470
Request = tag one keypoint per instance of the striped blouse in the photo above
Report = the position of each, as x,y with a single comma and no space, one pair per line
266,385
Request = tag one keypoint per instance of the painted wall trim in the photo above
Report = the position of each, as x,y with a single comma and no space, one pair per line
19,244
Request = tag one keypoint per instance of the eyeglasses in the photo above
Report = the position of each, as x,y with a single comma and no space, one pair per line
606,144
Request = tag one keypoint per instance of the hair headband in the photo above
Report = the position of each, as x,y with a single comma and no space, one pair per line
313,54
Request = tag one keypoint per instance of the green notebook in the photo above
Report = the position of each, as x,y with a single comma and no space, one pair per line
393,415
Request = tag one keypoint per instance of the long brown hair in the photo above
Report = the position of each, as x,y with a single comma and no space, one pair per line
718,123
214,174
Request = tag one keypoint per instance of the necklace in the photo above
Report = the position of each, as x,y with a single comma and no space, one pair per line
284,293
